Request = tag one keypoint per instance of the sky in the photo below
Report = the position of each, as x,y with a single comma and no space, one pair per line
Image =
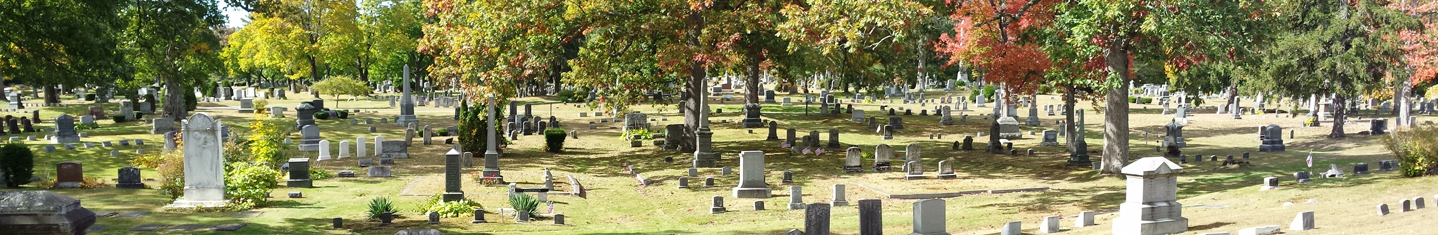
234,17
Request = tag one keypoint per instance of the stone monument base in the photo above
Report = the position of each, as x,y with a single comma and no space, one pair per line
947,176
309,147
130,185
1133,226
453,196
1272,146
752,193
709,160
299,183
405,120
752,123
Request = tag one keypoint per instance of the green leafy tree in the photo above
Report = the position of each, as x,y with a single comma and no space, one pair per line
172,42
341,85
1342,49
1099,40
69,43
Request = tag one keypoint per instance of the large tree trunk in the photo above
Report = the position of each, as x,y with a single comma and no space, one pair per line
1069,118
174,99
694,83
1339,113
1231,99
1115,131
751,79
52,94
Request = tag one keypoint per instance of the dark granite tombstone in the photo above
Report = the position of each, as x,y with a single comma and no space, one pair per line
130,179
299,173
816,218
69,174
871,217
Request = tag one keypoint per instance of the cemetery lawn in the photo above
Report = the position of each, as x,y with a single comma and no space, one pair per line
1215,198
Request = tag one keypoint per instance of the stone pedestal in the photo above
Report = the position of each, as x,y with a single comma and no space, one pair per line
1151,206
751,176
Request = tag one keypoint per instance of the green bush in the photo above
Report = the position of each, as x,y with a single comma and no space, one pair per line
248,184
566,95
139,115
322,115
472,124
988,92
190,101
89,97
319,174
637,134
118,118
524,202
454,209
343,114
554,140
378,206
18,162
443,132
1416,149
1147,100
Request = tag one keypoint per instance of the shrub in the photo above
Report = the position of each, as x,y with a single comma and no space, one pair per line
453,209
322,115
566,96
343,114
988,92
378,206
172,174
637,134
1416,149
18,162
248,184
319,174
443,132
1147,100
118,118
524,202
472,124
265,143
139,115
89,97
1310,121
554,140
190,101
259,105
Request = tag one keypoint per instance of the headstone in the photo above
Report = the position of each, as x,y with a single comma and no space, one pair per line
838,199
1302,177
204,163
309,138
913,170
1269,183
299,173
1084,219
929,217
1151,206
1049,225
379,171
452,182
1302,222
406,103
751,176
324,149
946,170
394,149
816,218
65,130
718,205
69,174
852,158
1272,139
129,178
162,125
344,149
882,153
773,131
796,198
246,105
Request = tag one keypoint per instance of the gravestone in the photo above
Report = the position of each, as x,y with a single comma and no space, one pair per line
1173,135
968,143
1302,177
1033,119
170,143
994,145
1050,224
1050,138
43,212
162,125
452,182
379,171
360,148
305,115
491,155
856,116
1378,126
344,149
888,131
129,178
65,130
718,202
839,196
324,149
751,176
1078,156
796,198
69,174
751,116
871,218
1009,128
1151,206
1269,183
882,153
912,153
406,103
246,105
913,170
127,109
1360,168
1302,222
773,131
299,173
946,117
394,149
833,139
852,158
929,217
816,218
1272,139
946,170
204,163
310,138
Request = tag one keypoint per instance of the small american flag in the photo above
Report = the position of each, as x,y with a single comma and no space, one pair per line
806,151
784,144
1310,159
818,151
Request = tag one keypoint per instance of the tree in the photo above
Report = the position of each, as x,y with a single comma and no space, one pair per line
172,42
391,29
1105,37
1420,46
75,46
864,42
1341,49
341,85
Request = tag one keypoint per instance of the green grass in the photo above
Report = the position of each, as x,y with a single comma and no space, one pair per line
616,205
